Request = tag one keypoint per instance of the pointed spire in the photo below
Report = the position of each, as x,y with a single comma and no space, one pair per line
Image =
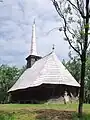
33,40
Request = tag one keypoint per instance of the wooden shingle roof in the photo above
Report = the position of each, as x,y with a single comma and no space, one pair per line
47,70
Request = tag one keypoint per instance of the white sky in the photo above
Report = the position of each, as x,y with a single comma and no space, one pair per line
16,18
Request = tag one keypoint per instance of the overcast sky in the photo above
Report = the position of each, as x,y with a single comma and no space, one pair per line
16,18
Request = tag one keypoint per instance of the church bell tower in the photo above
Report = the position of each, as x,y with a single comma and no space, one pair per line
33,57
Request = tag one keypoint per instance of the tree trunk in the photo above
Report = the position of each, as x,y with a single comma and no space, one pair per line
81,95
83,61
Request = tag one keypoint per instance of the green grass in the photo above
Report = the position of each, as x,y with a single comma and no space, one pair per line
42,112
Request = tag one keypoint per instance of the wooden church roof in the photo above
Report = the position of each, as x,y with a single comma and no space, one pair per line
47,70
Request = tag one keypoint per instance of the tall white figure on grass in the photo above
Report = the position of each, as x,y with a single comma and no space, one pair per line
66,97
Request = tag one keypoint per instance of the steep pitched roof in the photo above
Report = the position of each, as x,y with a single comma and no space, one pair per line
48,70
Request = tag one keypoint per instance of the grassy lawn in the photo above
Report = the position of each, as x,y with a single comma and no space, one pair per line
42,112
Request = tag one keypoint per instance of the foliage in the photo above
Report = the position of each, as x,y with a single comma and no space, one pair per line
75,16
87,81
8,76
74,67
6,116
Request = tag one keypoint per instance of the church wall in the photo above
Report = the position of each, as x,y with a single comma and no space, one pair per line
41,93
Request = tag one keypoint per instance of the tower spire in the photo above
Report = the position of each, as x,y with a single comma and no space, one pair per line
33,40
33,57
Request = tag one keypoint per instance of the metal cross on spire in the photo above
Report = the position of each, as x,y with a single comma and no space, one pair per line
53,47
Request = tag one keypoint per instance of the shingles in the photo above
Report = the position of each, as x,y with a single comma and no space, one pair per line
48,70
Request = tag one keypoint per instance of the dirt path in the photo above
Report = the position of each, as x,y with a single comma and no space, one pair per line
54,115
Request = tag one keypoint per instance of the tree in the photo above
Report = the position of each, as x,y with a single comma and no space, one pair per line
73,65
87,81
8,76
76,15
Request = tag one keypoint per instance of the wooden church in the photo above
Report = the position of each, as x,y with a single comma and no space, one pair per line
45,78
